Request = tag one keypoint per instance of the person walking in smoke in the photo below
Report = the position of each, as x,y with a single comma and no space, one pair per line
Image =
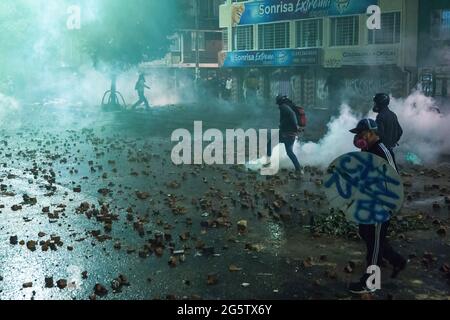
367,139
140,88
389,129
289,131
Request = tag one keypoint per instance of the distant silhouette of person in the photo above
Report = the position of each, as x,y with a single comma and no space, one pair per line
113,100
140,88
228,87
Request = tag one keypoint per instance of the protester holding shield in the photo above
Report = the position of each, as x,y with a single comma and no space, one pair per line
375,235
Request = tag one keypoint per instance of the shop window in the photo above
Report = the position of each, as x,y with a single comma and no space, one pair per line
309,33
225,39
440,24
209,8
201,40
442,87
274,36
243,38
175,43
389,32
345,31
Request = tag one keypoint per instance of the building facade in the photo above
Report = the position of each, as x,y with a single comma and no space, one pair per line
320,52
197,40
192,60
434,48
202,22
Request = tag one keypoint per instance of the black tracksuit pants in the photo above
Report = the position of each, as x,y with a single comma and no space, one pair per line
378,247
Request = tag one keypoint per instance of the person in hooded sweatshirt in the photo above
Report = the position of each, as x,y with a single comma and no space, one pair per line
289,131
389,129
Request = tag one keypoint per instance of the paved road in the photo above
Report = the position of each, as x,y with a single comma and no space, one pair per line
87,196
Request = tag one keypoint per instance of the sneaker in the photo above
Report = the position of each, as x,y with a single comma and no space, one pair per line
359,288
399,268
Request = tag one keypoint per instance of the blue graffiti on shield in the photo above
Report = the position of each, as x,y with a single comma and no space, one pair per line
356,172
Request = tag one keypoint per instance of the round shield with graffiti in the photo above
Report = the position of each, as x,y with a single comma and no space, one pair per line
365,187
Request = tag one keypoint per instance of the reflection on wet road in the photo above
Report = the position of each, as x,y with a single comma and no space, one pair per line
87,196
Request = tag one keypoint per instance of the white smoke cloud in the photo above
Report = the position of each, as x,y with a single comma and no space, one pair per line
338,140
7,106
426,131
86,86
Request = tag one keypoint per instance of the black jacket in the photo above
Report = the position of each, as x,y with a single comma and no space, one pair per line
288,120
389,128
382,151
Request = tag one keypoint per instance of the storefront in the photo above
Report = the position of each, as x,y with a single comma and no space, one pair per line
282,44
354,75
267,73
321,53
434,49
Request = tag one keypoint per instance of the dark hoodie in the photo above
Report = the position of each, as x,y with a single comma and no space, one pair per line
288,120
389,128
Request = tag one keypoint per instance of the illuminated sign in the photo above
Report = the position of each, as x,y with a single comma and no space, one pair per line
263,11
282,57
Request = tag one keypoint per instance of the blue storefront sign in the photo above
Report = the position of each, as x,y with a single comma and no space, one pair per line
264,11
272,58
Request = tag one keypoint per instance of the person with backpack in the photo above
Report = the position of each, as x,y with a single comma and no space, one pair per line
140,88
292,119
389,129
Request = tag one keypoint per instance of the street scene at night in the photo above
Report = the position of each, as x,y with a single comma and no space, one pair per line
224,150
